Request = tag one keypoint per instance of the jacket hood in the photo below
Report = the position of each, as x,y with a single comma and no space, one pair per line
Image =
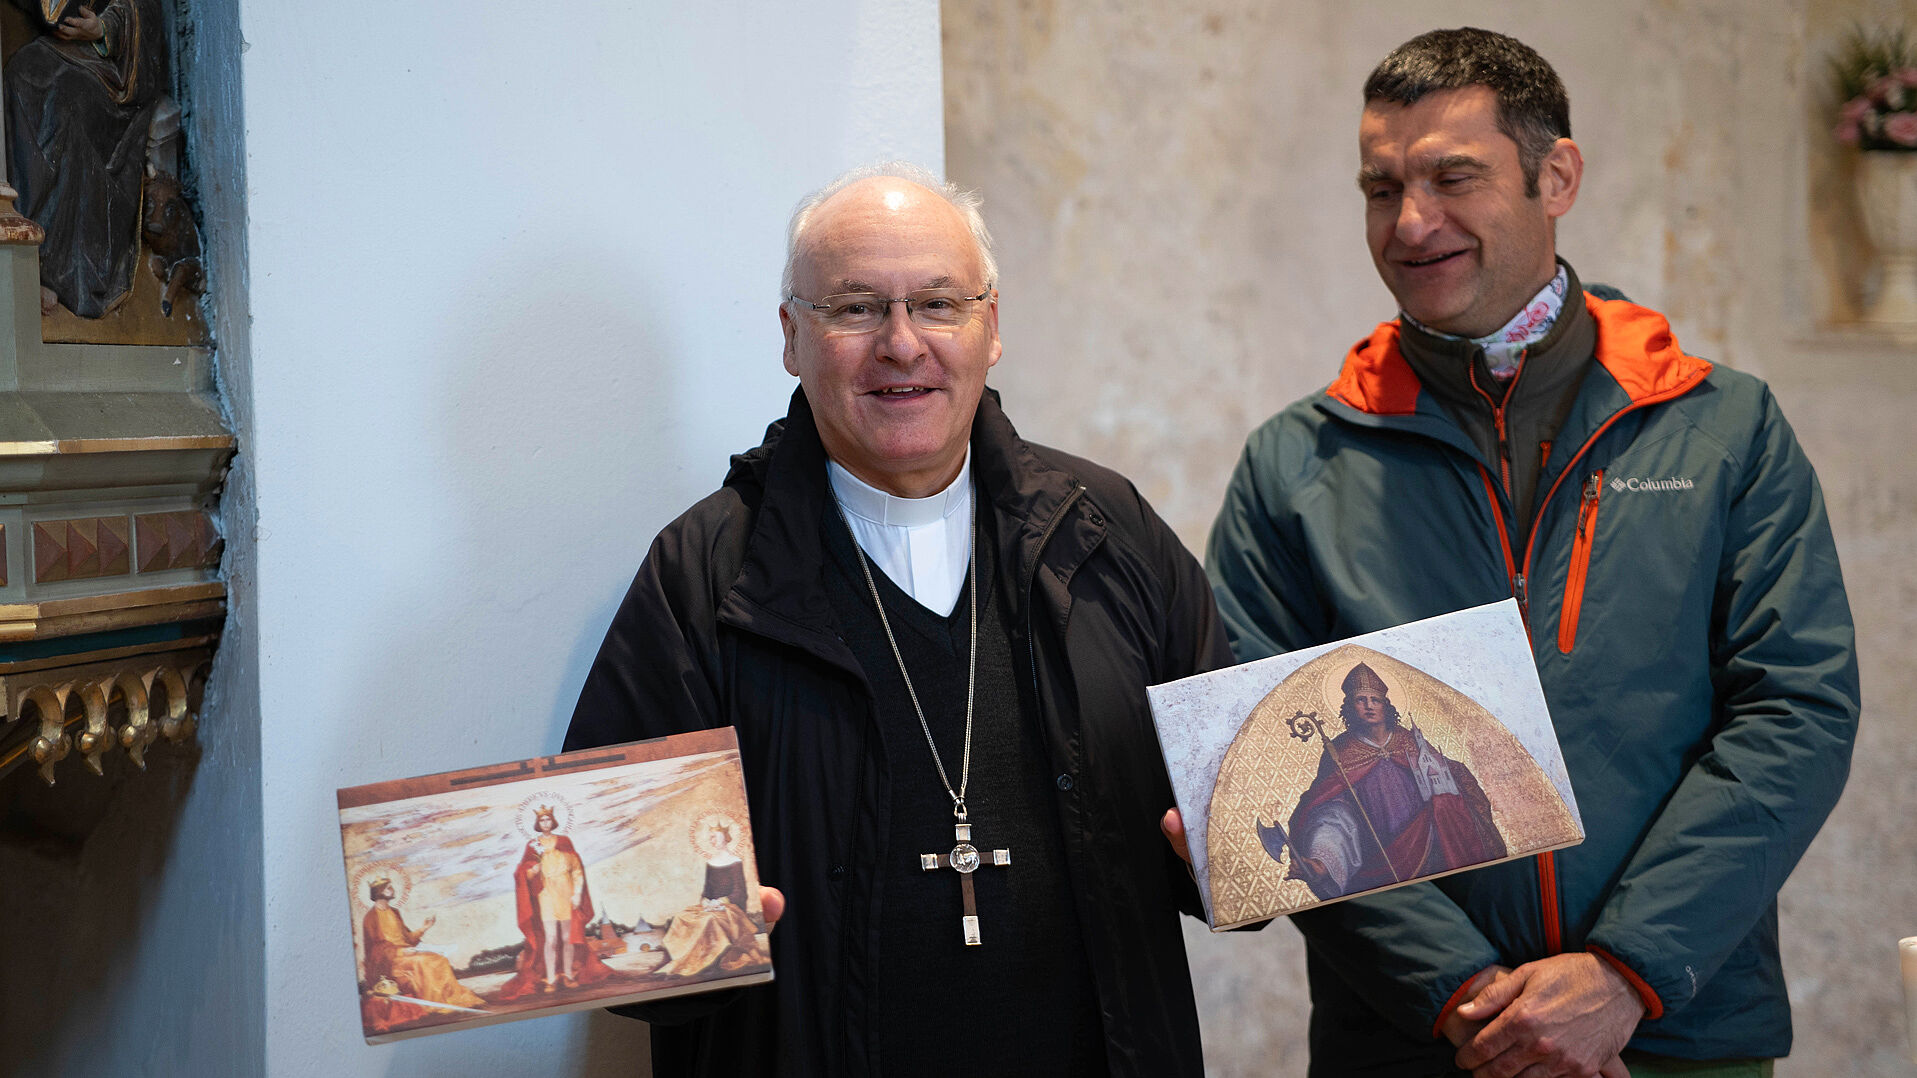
1634,345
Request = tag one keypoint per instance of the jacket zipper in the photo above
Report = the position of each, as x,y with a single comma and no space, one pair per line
1580,563
1512,576
1511,570
1497,423
1547,865
1548,898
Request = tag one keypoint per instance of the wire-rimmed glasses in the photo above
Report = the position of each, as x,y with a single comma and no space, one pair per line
864,312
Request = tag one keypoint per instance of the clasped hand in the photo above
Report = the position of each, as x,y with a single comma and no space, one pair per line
1567,1015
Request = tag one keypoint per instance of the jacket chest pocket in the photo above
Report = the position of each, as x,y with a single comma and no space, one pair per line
1580,570
1639,551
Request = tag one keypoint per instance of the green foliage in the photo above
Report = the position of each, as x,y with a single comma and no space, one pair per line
1867,57
1875,75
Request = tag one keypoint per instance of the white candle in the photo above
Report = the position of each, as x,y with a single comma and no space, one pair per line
1907,949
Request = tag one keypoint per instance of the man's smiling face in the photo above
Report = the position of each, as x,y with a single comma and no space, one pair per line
894,406
1455,237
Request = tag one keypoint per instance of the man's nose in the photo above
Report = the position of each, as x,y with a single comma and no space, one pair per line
1418,217
899,339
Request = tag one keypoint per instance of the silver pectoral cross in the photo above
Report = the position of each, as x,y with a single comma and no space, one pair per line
965,859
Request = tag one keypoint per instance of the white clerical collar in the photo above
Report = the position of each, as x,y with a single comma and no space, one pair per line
921,544
875,506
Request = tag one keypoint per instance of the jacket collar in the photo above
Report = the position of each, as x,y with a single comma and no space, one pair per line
1634,346
1029,495
1455,370
780,590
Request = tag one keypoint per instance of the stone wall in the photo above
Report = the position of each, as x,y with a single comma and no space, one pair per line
1181,240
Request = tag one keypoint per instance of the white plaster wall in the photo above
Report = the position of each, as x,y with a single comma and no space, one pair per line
513,289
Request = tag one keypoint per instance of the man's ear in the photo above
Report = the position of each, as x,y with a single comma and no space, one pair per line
790,329
991,327
1558,177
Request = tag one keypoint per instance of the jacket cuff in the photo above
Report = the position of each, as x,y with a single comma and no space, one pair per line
1465,991
1653,1006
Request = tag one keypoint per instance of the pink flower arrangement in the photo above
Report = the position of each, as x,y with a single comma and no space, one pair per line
1876,76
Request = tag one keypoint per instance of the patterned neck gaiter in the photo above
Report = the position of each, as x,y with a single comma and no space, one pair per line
1504,350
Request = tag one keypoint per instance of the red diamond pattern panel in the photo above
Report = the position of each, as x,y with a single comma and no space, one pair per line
182,540
83,551
49,551
183,546
149,533
113,548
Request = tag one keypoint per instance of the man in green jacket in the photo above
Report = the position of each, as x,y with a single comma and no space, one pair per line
1510,434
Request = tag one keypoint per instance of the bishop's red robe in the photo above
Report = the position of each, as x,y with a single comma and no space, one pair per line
1406,834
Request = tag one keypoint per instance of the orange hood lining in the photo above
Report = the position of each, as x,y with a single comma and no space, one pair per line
1634,344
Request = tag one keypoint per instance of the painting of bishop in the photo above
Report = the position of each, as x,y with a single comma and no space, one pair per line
1385,806
1361,771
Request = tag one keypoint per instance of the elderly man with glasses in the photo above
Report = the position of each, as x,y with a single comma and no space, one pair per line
933,638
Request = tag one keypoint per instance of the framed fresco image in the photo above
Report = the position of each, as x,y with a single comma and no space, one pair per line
1369,763
593,878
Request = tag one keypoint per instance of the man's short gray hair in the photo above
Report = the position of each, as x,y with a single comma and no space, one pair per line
962,200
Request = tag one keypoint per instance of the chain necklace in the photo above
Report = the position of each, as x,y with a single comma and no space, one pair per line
964,857
971,672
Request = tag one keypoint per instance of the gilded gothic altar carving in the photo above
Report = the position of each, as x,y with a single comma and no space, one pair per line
113,449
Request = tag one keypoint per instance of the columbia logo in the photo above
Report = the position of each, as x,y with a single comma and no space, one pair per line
1621,484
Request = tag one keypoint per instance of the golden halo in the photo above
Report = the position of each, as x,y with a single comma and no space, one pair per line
703,827
527,815
393,870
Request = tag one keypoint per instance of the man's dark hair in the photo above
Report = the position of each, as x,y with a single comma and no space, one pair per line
1533,110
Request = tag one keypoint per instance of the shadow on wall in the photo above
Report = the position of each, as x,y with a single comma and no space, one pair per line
552,457
84,861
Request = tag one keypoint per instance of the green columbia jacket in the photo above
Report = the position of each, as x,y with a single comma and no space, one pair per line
1690,627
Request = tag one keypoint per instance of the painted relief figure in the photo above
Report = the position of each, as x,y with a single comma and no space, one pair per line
395,969
1386,805
716,929
81,100
94,149
554,907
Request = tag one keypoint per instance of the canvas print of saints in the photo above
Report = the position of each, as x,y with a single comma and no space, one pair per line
588,879
1402,755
